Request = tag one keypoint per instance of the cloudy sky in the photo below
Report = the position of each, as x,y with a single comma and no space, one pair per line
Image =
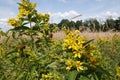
59,9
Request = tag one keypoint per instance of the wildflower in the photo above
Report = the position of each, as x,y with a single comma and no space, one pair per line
24,12
47,26
40,15
76,32
69,64
94,62
25,2
79,66
77,54
92,49
2,51
46,18
32,5
22,47
19,16
50,76
50,35
118,70
52,55
106,40
45,76
13,22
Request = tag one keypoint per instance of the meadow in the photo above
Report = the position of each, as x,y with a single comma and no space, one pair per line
35,52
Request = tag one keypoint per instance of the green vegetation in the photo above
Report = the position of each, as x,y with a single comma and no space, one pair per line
92,25
25,55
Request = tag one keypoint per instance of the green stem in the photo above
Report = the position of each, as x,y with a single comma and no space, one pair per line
32,39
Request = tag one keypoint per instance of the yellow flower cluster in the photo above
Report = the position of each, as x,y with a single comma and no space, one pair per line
50,76
23,9
47,26
91,49
28,4
2,51
103,40
22,12
69,64
79,48
44,18
94,62
13,22
116,38
74,64
79,66
74,43
118,70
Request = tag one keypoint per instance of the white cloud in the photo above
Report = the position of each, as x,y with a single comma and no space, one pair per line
3,24
108,14
4,16
67,15
57,17
102,16
3,19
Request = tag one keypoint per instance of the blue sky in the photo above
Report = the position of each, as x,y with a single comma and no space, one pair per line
59,9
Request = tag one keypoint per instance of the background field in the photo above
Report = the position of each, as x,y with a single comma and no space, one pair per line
89,35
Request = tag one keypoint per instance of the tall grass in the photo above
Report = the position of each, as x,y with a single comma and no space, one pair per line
89,35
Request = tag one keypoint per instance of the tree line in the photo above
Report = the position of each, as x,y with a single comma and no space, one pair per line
91,24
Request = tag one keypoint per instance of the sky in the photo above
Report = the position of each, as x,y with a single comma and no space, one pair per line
63,9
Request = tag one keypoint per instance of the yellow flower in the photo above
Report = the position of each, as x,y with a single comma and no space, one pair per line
47,26
92,49
46,18
32,5
24,12
19,16
118,70
40,15
25,2
13,22
79,66
94,62
50,76
76,32
106,40
2,51
69,64
45,76
77,54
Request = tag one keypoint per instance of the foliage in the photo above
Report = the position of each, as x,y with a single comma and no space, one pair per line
110,49
92,24
37,57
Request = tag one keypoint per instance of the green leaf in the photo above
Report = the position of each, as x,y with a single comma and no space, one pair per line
21,76
33,69
25,7
53,64
20,28
72,75
88,42
38,40
3,33
11,52
6,41
13,34
26,23
83,78
101,71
